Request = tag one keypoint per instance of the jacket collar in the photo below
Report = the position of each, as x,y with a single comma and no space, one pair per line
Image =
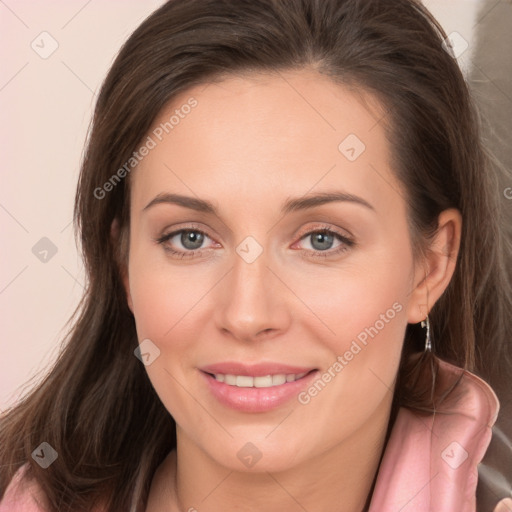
430,461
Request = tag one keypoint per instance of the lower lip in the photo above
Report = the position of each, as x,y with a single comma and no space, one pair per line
256,399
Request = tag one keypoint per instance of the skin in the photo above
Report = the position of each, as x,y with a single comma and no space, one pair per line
252,142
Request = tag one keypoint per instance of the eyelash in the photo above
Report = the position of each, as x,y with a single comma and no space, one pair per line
347,243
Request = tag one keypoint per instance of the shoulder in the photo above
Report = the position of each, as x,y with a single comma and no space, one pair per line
22,495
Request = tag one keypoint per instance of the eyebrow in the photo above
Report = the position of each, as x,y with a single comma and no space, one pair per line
290,205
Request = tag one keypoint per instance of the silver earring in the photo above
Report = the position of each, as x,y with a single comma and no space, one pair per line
428,341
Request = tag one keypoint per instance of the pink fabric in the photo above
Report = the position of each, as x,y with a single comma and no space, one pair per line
429,465
21,495
430,462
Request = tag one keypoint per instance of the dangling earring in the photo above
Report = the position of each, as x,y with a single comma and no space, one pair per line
428,341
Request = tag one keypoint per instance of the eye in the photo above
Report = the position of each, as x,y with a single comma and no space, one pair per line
191,239
321,240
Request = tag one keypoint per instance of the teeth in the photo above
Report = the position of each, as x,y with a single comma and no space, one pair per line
230,379
245,381
279,379
262,382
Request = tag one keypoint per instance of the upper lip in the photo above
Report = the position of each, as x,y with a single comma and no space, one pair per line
254,370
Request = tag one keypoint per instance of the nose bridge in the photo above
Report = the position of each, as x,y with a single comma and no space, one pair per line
251,303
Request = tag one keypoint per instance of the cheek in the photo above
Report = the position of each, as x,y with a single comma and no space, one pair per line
358,301
163,297
164,313
363,325
358,379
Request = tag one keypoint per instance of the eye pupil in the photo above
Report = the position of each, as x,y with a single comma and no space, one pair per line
193,237
325,240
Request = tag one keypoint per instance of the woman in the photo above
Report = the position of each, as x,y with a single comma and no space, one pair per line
298,295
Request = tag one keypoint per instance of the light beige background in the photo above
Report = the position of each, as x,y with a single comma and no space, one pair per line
46,106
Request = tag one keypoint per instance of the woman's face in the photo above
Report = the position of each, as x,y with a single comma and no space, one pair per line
256,287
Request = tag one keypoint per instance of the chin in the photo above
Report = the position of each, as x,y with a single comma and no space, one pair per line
259,455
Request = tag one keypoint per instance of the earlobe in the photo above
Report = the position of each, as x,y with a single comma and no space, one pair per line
435,273
119,247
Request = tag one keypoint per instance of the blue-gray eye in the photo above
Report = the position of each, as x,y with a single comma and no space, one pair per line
325,240
195,238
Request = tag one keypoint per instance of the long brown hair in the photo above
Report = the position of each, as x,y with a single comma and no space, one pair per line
96,407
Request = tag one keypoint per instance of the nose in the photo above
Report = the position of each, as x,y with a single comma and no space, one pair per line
253,303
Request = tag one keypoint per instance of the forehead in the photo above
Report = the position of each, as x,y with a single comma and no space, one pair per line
268,135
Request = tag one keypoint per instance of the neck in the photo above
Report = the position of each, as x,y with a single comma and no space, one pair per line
344,475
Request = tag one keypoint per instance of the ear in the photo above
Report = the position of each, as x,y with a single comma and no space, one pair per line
433,275
120,247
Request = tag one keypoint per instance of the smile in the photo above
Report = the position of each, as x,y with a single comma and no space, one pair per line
266,381
256,393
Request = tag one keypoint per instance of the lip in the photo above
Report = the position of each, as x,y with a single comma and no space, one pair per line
255,400
254,370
